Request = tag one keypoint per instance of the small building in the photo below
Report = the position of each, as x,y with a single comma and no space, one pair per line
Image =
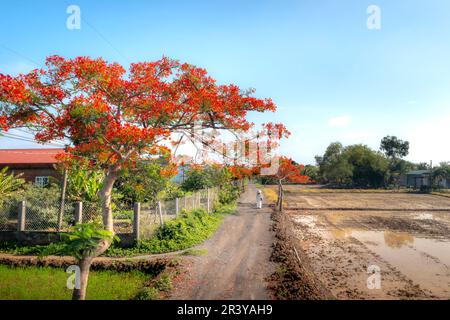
36,165
418,179
421,178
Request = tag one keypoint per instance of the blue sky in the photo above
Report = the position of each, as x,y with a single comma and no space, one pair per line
332,78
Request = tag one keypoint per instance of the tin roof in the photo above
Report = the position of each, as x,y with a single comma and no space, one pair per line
418,172
29,156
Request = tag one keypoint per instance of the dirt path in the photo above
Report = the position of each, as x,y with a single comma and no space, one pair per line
237,262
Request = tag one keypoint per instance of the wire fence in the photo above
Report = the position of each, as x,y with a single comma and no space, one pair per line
8,215
47,215
152,216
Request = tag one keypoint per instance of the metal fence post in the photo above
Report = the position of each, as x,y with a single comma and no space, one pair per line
79,212
161,221
22,216
177,207
207,201
136,222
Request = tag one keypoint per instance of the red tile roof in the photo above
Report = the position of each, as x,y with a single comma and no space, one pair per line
28,156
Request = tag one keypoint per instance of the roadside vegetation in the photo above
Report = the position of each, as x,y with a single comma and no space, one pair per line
189,229
46,283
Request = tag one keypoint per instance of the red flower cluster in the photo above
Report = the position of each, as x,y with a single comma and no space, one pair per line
113,117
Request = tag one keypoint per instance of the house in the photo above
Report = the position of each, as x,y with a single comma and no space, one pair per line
421,178
418,179
36,165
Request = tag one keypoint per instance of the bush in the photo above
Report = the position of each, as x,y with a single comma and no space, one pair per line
186,231
228,194
124,215
42,206
164,283
147,293
189,229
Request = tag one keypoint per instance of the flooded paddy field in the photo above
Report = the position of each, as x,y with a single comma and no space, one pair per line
404,238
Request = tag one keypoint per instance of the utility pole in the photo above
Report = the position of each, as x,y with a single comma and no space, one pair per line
63,197
431,175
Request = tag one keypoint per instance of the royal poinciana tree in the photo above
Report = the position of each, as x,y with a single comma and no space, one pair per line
114,118
288,170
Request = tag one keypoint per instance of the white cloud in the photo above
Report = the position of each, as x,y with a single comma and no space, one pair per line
341,121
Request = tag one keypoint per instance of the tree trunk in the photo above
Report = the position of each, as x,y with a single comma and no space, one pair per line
86,261
280,196
105,196
281,201
85,264
80,294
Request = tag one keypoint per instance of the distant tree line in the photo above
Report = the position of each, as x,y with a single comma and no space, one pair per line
360,166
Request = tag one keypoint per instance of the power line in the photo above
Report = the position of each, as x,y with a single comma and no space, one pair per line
20,55
63,142
26,139
103,37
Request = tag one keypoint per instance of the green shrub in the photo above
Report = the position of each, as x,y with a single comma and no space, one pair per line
164,283
16,248
9,183
228,194
189,229
195,252
84,238
147,293
124,215
42,206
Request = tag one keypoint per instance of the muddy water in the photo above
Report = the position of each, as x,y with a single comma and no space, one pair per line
425,261
416,244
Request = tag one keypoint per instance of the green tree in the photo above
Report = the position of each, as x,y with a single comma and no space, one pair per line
144,183
355,165
333,166
84,183
441,173
394,147
370,168
197,178
422,166
312,172
9,182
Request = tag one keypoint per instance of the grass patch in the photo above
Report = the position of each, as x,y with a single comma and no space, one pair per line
157,290
270,194
44,283
195,252
24,250
148,293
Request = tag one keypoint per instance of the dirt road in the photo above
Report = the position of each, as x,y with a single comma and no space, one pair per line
237,262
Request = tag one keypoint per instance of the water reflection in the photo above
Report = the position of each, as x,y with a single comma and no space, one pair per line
394,240
397,239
